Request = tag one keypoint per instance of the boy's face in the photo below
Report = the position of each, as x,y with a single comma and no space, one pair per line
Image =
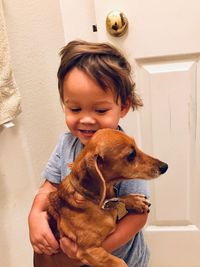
87,107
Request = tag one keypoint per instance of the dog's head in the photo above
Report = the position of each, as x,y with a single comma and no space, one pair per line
111,156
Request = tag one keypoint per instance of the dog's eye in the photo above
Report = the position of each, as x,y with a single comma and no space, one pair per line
132,155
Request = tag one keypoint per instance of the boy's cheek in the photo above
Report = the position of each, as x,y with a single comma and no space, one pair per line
69,120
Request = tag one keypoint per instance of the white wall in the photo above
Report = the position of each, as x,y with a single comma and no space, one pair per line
35,36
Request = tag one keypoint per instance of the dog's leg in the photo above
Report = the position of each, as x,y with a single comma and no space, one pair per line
99,257
137,203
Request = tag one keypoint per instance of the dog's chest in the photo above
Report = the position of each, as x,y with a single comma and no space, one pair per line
90,226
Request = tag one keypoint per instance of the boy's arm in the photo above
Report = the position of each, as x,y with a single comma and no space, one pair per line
127,227
41,237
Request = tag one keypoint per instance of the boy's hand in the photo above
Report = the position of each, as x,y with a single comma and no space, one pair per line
69,247
41,236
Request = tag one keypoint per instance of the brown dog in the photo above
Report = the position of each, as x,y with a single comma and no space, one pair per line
109,156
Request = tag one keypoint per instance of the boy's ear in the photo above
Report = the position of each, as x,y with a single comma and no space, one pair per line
125,108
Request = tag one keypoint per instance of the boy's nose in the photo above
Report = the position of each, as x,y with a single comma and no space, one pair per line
87,120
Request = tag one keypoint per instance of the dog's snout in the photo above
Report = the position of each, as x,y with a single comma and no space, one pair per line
163,167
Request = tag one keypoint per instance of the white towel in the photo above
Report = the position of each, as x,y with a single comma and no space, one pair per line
9,93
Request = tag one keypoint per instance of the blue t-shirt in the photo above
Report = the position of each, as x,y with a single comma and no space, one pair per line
135,253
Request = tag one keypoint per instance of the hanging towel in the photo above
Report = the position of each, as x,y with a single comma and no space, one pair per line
9,93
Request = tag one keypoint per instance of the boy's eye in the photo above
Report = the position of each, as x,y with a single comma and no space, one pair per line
75,109
101,111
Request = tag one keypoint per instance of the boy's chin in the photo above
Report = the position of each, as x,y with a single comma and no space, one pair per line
84,137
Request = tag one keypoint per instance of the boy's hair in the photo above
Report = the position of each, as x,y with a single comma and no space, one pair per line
103,63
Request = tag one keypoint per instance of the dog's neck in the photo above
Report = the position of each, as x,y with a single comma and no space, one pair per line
80,191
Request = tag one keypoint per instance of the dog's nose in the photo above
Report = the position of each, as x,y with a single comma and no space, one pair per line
163,167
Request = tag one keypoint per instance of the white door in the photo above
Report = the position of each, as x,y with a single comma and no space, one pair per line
163,45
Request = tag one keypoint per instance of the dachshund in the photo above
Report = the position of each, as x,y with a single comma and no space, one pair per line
80,207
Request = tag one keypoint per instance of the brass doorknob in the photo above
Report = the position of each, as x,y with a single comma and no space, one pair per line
116,23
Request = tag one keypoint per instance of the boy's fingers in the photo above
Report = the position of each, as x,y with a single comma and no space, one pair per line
37,250
51,242
44,247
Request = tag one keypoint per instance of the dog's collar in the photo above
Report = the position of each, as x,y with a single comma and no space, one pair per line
108,204
115,203
111,202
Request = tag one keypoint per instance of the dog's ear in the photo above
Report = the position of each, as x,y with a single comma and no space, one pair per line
92,180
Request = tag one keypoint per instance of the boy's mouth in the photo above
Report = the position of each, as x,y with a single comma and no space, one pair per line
87,132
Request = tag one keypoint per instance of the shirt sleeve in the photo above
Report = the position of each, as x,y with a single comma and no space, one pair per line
133,186
52,171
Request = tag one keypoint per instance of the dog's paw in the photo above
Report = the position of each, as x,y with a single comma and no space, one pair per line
137,203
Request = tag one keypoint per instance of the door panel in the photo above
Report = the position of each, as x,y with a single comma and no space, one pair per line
171,109
169,90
